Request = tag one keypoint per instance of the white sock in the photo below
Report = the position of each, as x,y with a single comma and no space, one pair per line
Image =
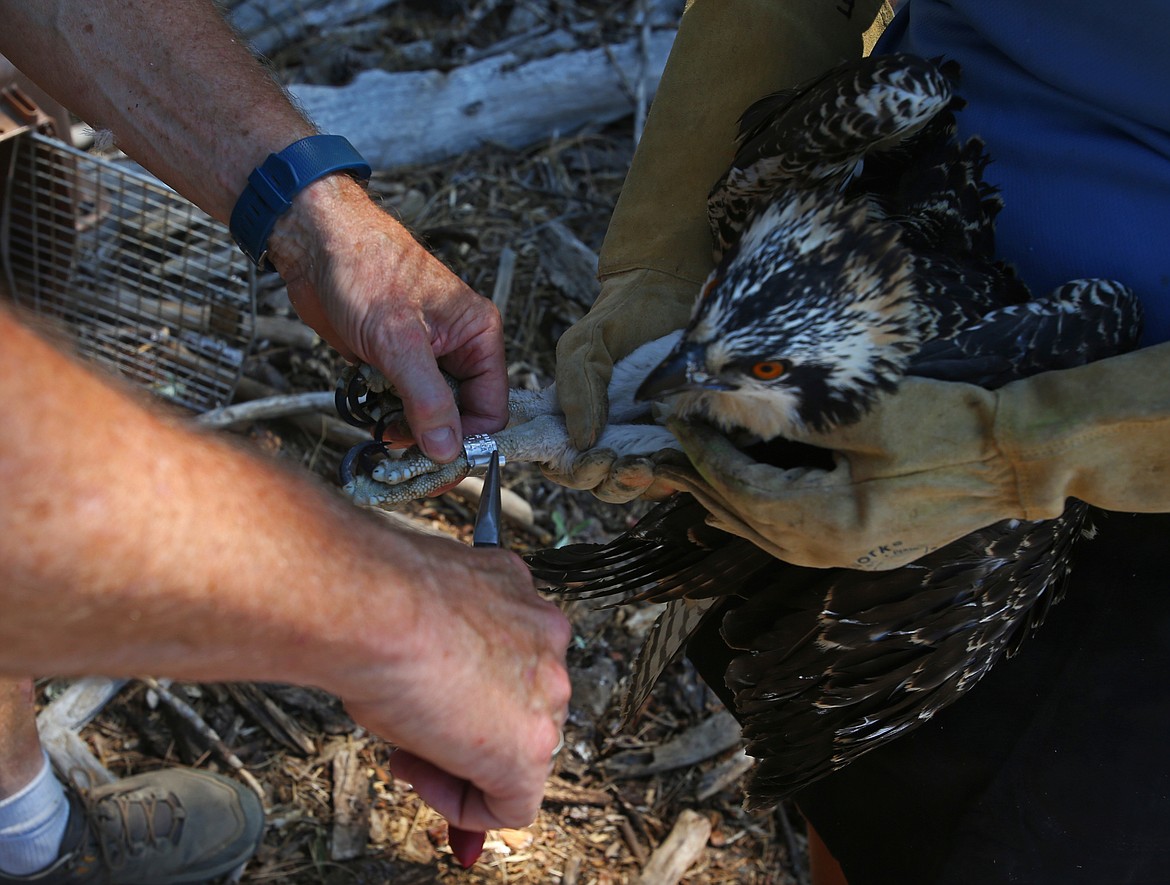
32,822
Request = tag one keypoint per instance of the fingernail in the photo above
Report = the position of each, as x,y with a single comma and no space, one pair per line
440,444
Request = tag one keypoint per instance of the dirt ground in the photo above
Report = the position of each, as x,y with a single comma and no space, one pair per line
323,784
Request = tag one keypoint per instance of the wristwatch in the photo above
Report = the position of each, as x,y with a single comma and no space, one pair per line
273,184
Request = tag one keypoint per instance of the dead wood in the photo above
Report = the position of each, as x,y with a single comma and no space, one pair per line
59,723
569,264
280,406
317,423
288,331
724,775
161,688
271,24
505,274
512,507
351,806
398,119
266,713
559,792
714,735
682,848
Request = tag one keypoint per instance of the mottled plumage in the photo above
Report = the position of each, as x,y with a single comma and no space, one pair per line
857,243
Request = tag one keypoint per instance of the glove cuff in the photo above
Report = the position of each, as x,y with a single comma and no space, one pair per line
1100,433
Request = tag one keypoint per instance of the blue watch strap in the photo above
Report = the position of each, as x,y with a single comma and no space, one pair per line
273,184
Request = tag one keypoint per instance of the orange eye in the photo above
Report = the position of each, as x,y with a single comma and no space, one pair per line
709,287
768,370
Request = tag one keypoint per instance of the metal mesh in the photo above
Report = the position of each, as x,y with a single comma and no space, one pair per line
141,279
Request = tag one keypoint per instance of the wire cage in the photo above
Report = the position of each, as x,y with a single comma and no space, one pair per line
140,279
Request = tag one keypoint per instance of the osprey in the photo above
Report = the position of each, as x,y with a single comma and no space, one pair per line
854,235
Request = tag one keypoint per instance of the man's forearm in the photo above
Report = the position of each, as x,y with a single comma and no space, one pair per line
181,92
132,544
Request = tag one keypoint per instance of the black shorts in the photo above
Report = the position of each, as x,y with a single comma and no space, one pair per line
1055,768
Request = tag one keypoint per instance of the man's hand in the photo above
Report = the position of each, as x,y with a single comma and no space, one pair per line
478,692
358,277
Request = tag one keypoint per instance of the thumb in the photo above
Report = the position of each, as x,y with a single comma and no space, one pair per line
428,402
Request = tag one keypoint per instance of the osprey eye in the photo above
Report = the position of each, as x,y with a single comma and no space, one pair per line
769,370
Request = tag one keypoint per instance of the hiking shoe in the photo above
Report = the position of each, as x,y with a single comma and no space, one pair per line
169,826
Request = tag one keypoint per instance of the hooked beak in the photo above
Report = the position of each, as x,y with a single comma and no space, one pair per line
679,372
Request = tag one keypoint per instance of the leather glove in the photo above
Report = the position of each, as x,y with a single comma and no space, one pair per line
619,479
937,460
658,250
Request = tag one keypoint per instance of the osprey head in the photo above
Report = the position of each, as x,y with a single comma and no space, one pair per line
803,324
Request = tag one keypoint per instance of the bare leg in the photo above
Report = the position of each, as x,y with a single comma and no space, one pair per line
21,757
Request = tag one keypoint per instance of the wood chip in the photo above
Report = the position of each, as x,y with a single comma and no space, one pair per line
351,806
516,839
681,850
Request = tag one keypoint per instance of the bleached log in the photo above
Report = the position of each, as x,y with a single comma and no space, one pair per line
569,264
271,24
59,723
397,119
279,406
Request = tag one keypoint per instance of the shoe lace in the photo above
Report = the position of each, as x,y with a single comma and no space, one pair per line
127,826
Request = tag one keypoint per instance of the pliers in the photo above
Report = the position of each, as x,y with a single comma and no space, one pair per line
467,845
488,531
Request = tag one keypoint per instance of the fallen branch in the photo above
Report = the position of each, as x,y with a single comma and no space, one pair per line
723,775
398,119
279,406
559,792
59,723
272,24
712,736
505,272
316,424
513,508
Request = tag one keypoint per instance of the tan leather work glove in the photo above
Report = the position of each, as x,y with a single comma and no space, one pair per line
936,461
619,479
658,250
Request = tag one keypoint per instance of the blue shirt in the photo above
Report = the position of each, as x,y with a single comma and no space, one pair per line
1073,101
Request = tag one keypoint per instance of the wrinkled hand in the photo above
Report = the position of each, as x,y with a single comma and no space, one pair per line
919,471
477,693
358,277
617,480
